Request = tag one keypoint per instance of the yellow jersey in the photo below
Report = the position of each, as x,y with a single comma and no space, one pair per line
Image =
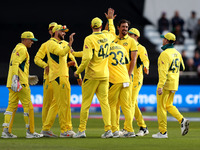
40,55
19,65
170,63
141,62
70,56
95,54
117,60
57,55
128,43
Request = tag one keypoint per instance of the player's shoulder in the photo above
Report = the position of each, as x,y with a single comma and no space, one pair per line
52,41
89,36
63,42
44,44
141,47
131,40
20,47
163,53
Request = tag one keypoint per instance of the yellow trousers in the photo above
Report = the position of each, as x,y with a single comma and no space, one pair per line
89,88
118,94
25,98
164,104
136,112
47,98
131,105
53,110
60,92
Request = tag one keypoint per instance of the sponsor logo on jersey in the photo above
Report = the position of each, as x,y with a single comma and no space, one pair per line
102,41
17,54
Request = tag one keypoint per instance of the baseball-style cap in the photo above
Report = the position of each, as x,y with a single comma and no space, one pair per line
28,35
53,24
96,22
169,36
134,31
60,27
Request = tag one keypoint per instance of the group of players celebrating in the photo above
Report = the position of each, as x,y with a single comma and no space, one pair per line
113,65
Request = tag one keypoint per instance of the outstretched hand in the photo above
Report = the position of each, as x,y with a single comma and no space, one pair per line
71,39
110,14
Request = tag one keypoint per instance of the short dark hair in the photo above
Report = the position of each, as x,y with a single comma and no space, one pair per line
53,34
123,21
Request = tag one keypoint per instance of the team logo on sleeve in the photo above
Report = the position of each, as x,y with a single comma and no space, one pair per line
17,54
162,62
86,46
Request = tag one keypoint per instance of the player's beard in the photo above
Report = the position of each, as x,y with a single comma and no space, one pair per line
124,32
60,37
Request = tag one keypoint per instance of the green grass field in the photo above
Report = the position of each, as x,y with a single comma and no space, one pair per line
93,141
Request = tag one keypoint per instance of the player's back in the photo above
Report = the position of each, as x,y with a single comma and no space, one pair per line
100,44
175,64
118,58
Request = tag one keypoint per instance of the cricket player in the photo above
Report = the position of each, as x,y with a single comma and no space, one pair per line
141,63
53,110
58,72
95,63
18,86
119,89
170,63
47,87
131,46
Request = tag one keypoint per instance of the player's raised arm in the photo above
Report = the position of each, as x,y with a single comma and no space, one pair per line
110,25
87,56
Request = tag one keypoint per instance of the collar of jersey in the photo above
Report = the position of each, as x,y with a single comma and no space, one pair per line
54,39
97,32
167,46
125,37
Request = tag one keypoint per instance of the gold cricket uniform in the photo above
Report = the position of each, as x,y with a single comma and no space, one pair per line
95,62
59,77
130,45
53,110
19,65
47,86
142,61
170,63
119,85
